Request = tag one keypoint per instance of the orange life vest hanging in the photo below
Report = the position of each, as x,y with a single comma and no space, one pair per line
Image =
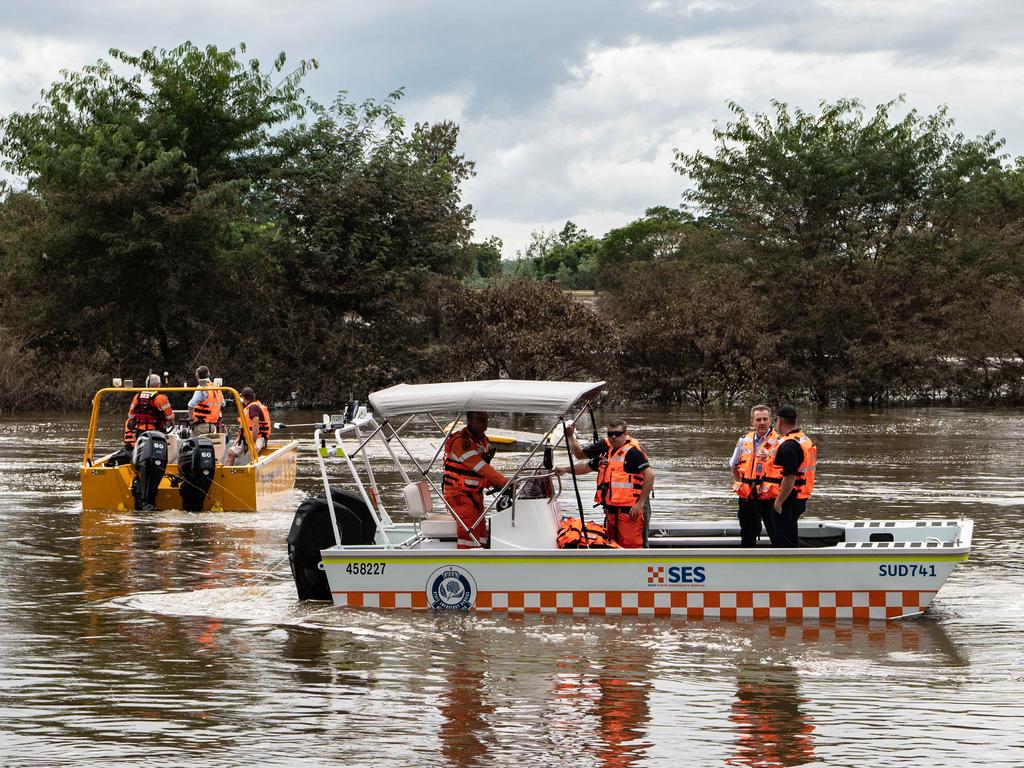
465,462
805,474
208,411
752,464
615,486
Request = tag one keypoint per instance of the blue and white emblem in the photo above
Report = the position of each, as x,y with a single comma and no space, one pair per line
451,588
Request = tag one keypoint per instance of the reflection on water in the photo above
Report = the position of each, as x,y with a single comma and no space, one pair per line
128,638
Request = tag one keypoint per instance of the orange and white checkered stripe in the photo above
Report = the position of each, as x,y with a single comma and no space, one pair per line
793,606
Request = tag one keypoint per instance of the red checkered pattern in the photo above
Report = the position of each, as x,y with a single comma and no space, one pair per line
655,574
793,606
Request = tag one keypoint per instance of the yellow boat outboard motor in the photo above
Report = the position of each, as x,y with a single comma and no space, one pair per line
150,461
196,465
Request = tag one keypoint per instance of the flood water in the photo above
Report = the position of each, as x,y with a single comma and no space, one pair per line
174,638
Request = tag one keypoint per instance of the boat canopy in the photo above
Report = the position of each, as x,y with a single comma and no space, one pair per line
510,395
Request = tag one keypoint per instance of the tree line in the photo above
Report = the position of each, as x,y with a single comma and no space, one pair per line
189,206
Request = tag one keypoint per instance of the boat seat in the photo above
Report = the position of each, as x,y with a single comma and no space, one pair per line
440,525
418,500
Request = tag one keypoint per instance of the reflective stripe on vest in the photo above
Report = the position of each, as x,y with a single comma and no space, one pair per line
462,470
752,465
804,483
615,486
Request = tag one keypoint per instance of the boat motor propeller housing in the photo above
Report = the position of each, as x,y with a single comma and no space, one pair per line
196,463
150,461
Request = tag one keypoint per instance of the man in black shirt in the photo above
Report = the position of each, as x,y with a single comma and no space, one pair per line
625,481
793,469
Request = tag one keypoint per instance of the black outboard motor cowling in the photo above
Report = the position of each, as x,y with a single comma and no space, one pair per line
197,462
150,461
311,532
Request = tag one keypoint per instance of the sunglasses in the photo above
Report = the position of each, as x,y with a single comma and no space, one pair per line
615,434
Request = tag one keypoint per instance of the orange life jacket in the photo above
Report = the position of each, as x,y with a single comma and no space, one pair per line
805,474
466,467
149,410
263,428
615,486
752,465
570,536
208,411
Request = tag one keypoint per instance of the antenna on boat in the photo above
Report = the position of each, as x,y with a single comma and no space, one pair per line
593,419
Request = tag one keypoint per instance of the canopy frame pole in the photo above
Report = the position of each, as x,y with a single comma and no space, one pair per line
575,484
320,445
339,445
375,495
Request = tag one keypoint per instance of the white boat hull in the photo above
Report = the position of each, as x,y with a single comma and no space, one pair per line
862,581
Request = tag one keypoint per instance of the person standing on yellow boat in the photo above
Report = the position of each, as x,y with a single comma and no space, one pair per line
467,472
205,407
258,416
149,410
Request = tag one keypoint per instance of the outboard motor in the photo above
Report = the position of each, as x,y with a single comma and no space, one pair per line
196,464
150,461
311,532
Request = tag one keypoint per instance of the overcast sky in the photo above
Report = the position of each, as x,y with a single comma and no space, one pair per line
571,109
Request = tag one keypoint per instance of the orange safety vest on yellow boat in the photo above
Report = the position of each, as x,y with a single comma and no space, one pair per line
263,428
149,410
615,486
751,466
465,463
805,474
208,411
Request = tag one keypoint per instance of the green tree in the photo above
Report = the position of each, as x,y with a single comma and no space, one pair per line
140,174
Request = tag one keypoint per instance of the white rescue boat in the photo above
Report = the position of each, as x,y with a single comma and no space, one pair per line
849,570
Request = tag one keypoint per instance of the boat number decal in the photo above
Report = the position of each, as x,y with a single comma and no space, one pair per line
365,569
658,575
451,588
906,570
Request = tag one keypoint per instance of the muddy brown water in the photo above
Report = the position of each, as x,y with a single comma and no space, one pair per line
175,638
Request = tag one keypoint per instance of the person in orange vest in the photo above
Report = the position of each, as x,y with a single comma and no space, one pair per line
205,407
624,481
748,468
149,410
789,478
467,472
258,416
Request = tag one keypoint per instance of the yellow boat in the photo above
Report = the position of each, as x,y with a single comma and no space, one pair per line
107,484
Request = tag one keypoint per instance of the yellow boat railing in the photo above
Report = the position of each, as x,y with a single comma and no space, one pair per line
90,441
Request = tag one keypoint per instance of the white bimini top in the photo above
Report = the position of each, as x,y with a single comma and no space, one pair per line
509,395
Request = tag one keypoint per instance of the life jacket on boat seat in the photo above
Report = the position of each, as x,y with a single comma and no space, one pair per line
615,486
752,464
805,474
570,536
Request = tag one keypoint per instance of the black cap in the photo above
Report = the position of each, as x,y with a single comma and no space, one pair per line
786,413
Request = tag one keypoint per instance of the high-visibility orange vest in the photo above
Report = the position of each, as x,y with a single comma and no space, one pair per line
615,486
263,428
805,474
465,463
570,536
208,411
149,410
752,465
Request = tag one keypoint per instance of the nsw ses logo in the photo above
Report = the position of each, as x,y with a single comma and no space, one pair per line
680,575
